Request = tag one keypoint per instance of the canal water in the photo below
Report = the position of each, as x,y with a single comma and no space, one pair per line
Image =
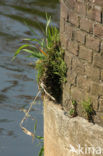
18,85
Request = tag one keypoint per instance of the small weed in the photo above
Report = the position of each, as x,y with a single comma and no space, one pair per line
87,105
50,64
41,141
74,103
73,110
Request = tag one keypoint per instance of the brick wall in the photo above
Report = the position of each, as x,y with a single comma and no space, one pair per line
81,29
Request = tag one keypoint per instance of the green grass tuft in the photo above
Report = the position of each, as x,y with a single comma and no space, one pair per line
50,64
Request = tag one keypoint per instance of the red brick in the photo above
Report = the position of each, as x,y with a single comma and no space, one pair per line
101,48
83,83
86,25
98,61
85,54
92,2
98,30
93,43
94,100
63,10
68,30
71,77
64,40
73,47
81,1
97,89
70,4
77,94
94,13
73,18
62,25
77,66
79,36
68,59
80,8
101,103
98,2
92,73
102,75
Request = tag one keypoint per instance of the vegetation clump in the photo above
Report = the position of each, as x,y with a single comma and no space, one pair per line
73,110
87,105
50,60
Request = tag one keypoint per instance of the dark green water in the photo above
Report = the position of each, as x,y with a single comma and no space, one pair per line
18,85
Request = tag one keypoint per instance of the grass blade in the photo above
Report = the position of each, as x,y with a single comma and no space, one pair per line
35,127
21,48
41,151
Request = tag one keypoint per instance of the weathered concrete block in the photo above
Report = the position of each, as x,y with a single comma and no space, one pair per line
61,133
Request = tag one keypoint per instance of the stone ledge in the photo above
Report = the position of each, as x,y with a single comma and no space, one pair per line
60,132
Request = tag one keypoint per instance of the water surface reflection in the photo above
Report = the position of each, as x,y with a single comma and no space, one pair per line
18,85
